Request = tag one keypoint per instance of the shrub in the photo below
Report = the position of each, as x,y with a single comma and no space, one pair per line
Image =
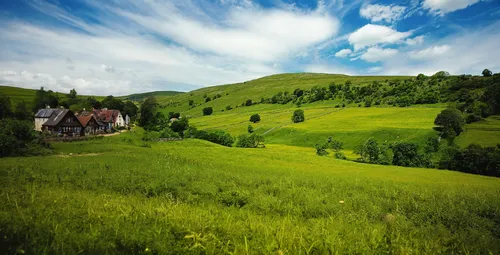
17,138
255,118
451,122
432,145
207,99
207,111
473,159
228,108
250,141
298,116
372,152
321,149
406,154
250,129
472,118
340,155
248,102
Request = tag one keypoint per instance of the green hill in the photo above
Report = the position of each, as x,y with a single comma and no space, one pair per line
158,94
116,195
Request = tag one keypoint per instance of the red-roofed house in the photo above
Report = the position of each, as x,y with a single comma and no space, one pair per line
110,118
91,125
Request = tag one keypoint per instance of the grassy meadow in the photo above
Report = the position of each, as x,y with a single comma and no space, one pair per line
117,195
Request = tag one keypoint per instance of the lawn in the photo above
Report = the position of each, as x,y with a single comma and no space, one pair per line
116,195
485,132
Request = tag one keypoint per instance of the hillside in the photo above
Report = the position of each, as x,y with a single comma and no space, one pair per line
141,96
192,196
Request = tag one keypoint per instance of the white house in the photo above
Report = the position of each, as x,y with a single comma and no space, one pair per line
43,115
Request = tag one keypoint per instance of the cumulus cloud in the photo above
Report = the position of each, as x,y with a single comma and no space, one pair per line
156,45
431,52
371,34
416,40
343,53
376,54
327,68
377,12
441,7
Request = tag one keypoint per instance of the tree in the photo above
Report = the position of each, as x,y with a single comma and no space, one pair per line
487,73
255,118
207,99
21,112
250,129
298,92
207,111
148,113
130,109
451,122
45,98
421,77
5,107
180,125
372,152
406,154
111,102
72,94
250,141
248,102
191,102
298,116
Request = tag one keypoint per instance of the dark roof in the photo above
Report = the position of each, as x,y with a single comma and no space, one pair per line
84,119
46,113
56,118
106,115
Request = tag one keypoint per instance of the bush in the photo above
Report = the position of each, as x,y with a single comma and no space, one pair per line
472,118
248,102
250,141
218,137
255,118
298,116
250,129
372,152
151,136
406,154
432,145
207,99
228,108
207,111
451,122
17,138
474,159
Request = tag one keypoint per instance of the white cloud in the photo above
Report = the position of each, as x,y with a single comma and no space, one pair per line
377,12
375,69
325,68
415,41
441,7
370,35
376,54
431,52
162,45
343,53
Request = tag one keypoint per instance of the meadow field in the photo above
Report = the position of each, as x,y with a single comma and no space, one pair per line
189,197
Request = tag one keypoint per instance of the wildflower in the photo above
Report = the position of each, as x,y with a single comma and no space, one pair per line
341,201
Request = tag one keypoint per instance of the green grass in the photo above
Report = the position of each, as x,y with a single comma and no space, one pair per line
485,132
193,196
235,94
141,96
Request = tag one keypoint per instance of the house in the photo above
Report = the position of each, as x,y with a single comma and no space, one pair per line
64,122
43,115
90,124
110,118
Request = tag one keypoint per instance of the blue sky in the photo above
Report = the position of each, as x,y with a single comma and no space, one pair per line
126,46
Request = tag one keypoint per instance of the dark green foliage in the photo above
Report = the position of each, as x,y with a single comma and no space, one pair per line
472,118
368,102
111,102
148,113
5,107
45,98
298,116
207,99
17,138
372,152
474,159
248,102
250,141
298,92
21,112
487,73
130,109
431,145
191,102
451,122
407,154
421,77
228,108
250,129
207,111
218,137
255,118
321,149
72,94
180,126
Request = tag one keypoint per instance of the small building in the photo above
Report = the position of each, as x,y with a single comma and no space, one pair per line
63,123
43,115
90,124
111,118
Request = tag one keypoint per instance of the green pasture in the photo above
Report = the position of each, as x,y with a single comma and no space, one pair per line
485,132
116,195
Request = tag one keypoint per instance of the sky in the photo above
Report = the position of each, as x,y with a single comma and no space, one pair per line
121,47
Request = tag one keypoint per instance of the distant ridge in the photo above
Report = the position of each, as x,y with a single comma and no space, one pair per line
141,96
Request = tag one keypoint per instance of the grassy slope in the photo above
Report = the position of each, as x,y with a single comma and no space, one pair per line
177,198
141,96
485,132
256,89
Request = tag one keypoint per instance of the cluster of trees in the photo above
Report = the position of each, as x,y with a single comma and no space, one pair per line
17,137
334,145
157,124
473,159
